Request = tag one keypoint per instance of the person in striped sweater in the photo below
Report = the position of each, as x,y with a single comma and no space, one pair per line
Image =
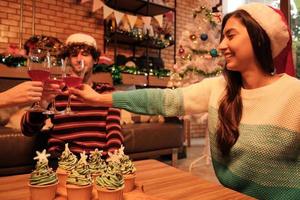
89,127
254,111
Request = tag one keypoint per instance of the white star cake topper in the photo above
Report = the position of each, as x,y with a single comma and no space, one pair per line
42,156
83,158
67,150
114,157
96,153
121,151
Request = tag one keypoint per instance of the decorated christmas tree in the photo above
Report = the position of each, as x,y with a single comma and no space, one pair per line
197,55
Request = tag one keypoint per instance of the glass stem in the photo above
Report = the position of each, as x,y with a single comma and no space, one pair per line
36,105
53,107
68,109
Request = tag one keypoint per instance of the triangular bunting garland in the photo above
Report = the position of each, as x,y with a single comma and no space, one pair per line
131,19
147,29
106,11
146,20
97,4
159,19
118,16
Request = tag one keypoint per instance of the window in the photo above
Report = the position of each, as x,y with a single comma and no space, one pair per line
295,27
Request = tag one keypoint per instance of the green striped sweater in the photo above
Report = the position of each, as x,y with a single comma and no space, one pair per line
265,161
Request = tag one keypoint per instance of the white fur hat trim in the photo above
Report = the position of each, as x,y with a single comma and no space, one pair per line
82,38
272,23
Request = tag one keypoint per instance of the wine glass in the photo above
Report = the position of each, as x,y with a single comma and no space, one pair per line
39,70
57,73
73,78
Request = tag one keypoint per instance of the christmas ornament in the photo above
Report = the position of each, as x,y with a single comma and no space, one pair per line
203,36
175,67
168,37
213,52
193,37
217,17
181,50
189,57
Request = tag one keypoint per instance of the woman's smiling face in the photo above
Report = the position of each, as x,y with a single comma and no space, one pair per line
236,46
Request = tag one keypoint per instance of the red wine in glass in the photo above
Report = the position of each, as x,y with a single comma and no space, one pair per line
55,81
73,78
38,75
58,80
73,81
38,70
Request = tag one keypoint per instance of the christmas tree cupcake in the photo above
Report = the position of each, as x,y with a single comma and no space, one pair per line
43,180
66,163
79,181
97,166
96,163
111,183
128,170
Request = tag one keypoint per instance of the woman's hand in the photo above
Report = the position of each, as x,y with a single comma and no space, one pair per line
85,94
89,96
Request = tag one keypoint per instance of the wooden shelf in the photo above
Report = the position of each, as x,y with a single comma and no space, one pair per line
138,7
113,36
158,81
124,38
131,79
104,77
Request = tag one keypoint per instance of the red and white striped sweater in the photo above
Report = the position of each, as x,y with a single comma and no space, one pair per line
87,129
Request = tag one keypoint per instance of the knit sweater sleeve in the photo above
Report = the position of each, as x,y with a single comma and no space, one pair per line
197,97
165,102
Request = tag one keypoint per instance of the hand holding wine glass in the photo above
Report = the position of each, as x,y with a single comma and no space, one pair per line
22,94
38,70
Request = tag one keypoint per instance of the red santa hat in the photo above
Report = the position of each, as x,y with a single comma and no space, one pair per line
81,38
274,23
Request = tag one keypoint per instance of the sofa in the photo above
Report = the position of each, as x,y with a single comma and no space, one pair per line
144,137
141,141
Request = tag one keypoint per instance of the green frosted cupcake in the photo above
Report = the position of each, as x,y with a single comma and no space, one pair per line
79,181
126,165
42,175
43,180
112,178
81,174
67,160
96,163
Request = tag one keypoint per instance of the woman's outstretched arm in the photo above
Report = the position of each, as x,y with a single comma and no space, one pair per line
165,102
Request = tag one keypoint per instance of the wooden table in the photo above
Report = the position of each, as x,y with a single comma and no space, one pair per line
159,181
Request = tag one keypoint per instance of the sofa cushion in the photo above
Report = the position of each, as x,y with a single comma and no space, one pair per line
17,151
143,137
131,118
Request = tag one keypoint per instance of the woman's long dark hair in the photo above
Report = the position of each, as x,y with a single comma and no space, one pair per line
231,105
